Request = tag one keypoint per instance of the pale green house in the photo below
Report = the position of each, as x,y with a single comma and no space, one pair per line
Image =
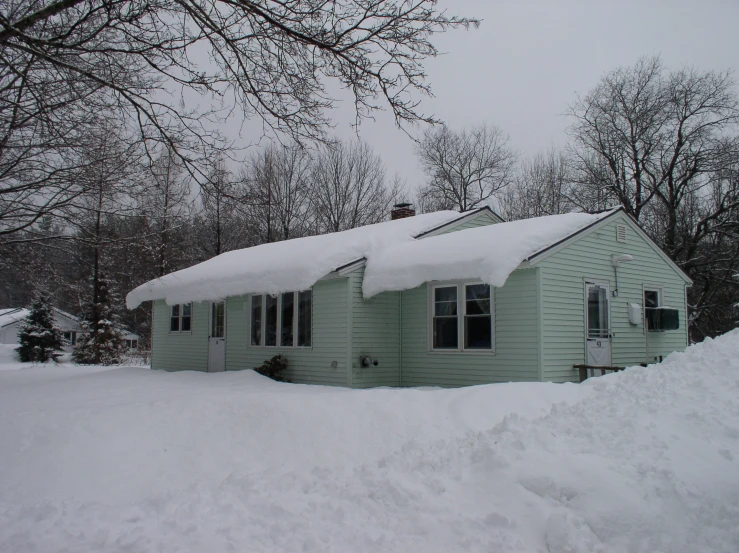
443,299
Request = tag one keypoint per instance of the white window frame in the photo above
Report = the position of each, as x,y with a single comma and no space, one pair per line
179,326
263,336
210,320
461,313
660,301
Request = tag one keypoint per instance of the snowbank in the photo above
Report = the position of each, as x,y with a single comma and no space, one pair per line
490,253
282,266
137,460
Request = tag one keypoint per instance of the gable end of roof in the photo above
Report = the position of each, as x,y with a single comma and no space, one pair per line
466,216
549,250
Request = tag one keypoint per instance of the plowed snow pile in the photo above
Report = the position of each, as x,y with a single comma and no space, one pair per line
136,460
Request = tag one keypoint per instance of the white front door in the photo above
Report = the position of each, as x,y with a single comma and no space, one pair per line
597,324
217,338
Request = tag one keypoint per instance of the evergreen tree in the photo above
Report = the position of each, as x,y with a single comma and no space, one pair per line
100,342
39,336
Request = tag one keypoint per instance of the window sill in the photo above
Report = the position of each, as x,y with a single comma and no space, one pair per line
252,346
462,351
180,332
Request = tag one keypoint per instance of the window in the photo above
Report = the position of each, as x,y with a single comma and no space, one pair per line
286,325
218,320
462,317
180,318
446,333
598,312
305,317
283,320
174,320
256,320
270,334
651,299
478,330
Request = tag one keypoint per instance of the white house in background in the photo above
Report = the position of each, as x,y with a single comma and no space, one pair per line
11,321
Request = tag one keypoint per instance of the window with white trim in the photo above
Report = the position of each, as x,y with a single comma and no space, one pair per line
180,317
283,320
652,298
652,301
462,317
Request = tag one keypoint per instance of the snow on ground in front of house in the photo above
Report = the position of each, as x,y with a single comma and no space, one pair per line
130,459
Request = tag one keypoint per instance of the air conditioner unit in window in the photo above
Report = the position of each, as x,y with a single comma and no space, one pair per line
662,318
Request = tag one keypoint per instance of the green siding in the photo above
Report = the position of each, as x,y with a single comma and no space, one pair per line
563,277
180,351
323,363
516,354
375,332
482,219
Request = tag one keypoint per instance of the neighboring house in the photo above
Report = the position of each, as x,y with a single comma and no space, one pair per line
11,321
442,299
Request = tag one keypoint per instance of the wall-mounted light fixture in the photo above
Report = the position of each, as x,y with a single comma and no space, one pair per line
616,260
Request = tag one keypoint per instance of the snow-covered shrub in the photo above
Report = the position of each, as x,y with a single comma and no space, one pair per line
273,368
39,336
100,342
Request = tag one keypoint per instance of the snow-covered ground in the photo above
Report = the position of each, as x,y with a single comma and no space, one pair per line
128,459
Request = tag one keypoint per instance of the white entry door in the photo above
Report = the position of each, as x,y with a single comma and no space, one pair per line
597,324
217,338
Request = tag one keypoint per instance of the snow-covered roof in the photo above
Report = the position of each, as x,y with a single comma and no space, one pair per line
490,253
395,258
12,315
283,266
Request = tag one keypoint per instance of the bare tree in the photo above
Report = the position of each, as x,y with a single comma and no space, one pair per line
220,228
541,186
349,187
641,133
164,201
664,144
277,193
465,169
61,62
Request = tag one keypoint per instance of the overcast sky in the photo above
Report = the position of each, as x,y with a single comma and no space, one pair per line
527,60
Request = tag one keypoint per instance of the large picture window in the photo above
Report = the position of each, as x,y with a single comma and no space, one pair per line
180,317
462,317
284,320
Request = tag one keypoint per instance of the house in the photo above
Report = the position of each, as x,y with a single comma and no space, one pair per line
11,321
441,299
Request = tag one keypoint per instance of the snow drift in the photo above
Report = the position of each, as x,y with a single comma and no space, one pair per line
395,259
137,460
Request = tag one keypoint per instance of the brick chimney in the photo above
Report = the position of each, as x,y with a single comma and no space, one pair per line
401,211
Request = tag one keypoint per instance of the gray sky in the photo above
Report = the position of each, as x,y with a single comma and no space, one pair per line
527,60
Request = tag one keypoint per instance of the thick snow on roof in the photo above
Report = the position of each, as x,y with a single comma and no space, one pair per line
9,316
490,253
283,266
